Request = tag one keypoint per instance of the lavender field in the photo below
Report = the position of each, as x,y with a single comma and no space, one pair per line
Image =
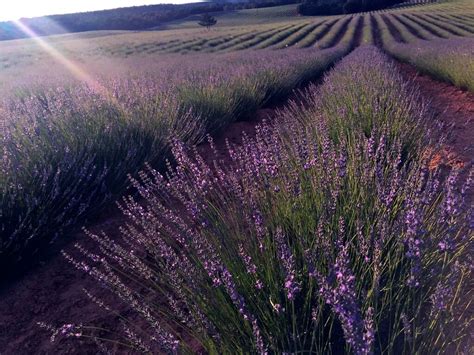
299,185
69,150
270,254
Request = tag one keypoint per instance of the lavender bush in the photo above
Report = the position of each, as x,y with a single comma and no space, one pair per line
448,60
313,238
68,149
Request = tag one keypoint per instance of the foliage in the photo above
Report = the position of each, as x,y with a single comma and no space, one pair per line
69,150
448,60
207,21
322,235
335,7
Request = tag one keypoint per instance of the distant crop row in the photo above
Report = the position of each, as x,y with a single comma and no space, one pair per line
448,60
399,26
435,44
408,28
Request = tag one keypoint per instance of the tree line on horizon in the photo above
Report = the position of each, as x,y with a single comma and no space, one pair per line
337,7
127,18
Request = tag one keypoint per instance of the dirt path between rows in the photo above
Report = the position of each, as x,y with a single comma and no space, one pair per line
452,107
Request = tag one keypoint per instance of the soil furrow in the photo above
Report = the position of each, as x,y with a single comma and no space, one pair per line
298,36
451,21
432,31
358,32
393,30
439,24
376,31
409,27
339,34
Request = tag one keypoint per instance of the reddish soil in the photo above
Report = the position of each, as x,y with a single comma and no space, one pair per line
452,107
51,293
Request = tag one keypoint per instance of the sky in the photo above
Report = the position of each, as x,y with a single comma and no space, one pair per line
15,9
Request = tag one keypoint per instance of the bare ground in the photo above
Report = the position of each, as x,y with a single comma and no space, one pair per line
452,107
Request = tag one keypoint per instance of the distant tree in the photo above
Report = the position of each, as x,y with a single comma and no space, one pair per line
207,21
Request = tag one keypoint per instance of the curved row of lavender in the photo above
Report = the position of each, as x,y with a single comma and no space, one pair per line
448,60
67,150
327,233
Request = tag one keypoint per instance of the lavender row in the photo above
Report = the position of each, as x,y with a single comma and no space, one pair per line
448,60
327,233
68,149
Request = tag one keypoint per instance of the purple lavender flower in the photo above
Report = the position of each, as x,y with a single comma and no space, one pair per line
250,266
413,242
341,164
444,291
338,290
259,344
291,284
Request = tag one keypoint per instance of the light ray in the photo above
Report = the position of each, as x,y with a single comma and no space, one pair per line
73,67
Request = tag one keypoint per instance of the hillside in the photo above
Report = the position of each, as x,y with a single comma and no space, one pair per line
127,18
